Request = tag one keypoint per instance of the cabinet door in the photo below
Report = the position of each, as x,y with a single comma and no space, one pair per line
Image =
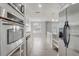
73,18
16,53
29,45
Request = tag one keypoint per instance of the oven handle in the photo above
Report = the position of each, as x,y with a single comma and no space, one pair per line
10,20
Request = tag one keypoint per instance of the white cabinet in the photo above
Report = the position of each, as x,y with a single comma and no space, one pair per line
29,45
18,51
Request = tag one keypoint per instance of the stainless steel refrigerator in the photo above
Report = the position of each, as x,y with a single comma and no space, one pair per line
70,15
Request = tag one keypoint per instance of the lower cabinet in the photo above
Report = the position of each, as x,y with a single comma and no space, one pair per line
19,51
16,53
29,45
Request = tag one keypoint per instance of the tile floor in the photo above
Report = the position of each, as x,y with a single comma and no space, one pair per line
40,47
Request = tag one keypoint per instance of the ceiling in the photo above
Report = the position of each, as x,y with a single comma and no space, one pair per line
46,12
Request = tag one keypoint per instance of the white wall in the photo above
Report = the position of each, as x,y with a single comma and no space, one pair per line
49,26
42,30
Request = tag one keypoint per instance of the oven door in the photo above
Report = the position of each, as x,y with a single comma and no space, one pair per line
11,36
12,32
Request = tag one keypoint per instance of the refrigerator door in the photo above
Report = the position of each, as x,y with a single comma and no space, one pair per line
73,18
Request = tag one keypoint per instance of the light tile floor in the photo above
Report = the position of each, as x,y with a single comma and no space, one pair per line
41,48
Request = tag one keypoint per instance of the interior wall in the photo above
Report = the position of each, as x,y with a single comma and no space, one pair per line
49,26
41,30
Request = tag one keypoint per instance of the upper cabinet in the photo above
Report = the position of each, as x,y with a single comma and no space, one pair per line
19,7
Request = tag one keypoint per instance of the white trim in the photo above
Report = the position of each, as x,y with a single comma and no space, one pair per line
66,6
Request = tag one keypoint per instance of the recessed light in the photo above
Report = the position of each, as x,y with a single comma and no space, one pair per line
73,3
55,20
39,5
